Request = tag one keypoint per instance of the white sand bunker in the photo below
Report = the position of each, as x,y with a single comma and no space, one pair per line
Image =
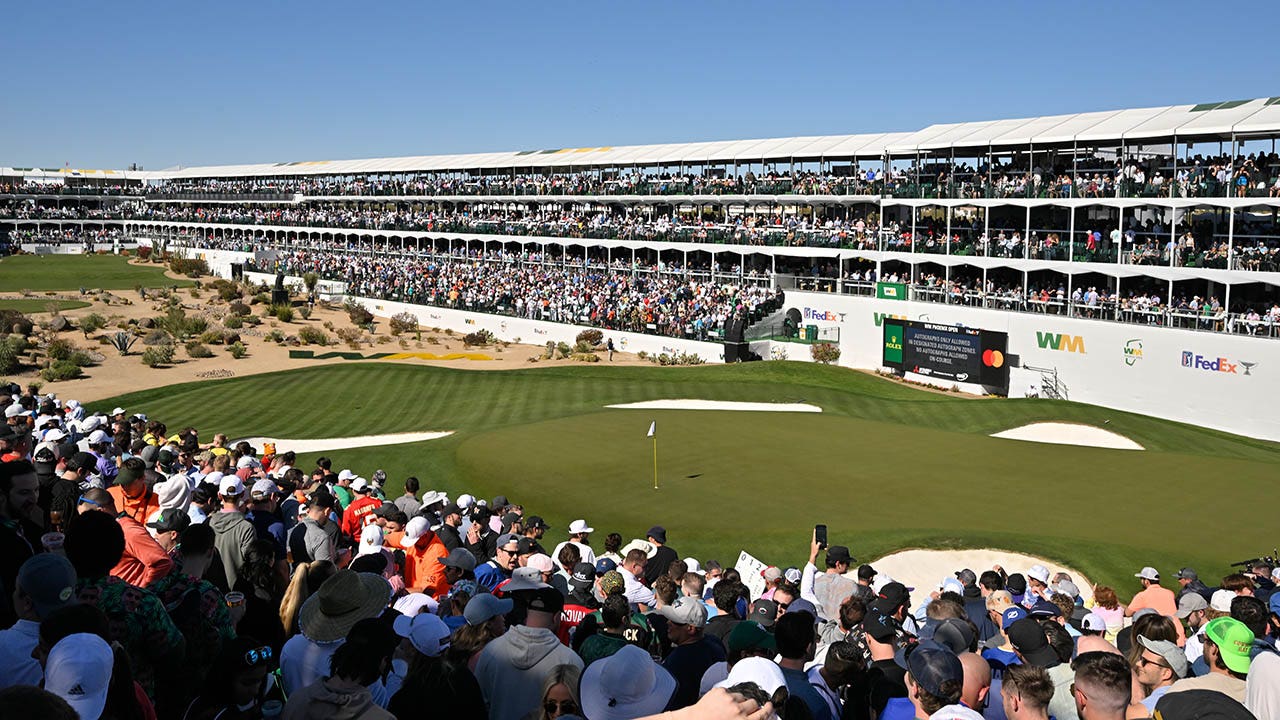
1070,434
343,443
925,570
718,405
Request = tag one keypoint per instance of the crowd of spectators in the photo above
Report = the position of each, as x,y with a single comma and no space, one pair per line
147,573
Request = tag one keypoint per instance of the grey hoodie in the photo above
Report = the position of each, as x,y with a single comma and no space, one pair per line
233,534
330,699
512,668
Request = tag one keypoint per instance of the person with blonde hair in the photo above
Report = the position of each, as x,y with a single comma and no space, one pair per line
307,579
559,694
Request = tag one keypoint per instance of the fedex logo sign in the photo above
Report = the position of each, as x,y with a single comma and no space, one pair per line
1220,364
815,314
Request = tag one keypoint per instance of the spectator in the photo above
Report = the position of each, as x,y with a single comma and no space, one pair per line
493,573
45,583
632,569
432,680
263,588
326,618
450,521
796,644
31,701
610,635
934,679
693,651
264,515
725,596
1157,664
1025,692
233,532
363,657
1190,583
485,620
842,666
133,497
579,535
627,684
829,589
559,695
363,503
513,667
408,502
1227,643
240,684
1102,687
306,581
78,669
660,561
1032,647
19,491
144,561
423,552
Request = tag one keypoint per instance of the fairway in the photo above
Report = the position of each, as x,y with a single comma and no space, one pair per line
884,465
72,272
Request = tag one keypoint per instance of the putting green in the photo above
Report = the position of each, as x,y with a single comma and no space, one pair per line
71,272
885,466
39,305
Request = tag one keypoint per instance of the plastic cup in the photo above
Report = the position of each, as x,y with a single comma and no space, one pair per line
234,599
52,541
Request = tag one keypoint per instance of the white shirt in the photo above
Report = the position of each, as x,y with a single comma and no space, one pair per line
588,555
17,667
303,663
1262,689
634,591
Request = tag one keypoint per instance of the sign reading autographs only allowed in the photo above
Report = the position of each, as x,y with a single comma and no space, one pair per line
752,572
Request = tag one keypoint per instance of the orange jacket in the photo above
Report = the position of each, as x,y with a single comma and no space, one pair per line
422,569
139,508
144,561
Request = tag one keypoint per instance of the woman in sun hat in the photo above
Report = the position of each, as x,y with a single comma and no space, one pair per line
325,619
628,684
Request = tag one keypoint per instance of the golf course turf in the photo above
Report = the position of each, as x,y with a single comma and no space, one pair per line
70,272
39,305
885,466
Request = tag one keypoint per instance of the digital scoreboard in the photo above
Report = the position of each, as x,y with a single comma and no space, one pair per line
947,352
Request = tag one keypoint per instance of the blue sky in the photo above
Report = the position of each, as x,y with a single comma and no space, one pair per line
163,84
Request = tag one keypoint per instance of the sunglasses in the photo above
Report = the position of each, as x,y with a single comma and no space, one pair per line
86,501
568,707
257,655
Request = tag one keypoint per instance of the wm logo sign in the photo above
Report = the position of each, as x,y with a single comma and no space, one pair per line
1066,343
881,317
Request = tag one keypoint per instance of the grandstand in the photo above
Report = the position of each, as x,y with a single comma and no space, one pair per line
1122,251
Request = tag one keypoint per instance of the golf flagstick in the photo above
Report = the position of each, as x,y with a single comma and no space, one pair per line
653,433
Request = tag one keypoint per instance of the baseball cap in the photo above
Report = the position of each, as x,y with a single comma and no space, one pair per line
692,565
1068,588
967,577
1017,585
1148,573
611,582
750,634
506,541
13,411
604,565
1093,622
545,599
686,611
1011,615
450,509
802,605
541,562
49,580
371,540
117,411
1234,640
1193,601
578,527
247,461
414,531
1200,705
771,573
1028,639
534,521
460,558
931,665
839,553
82,461
1045,609
78,670
791,574
955,634
764,612
264,488
951,585
427,633
658,533
346,475
230,486
169,520
866,572
127,475
1187,573
99,437
484,606
1221,600
584,575
1171,653
148,456
883,628
360,485
1273,603
896,594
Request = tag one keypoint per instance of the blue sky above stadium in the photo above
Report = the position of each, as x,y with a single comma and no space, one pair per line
167,84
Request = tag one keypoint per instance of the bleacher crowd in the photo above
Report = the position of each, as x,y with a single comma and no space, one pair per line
150,574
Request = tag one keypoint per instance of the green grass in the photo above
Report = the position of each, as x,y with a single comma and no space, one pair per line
885,466
71,272
39,305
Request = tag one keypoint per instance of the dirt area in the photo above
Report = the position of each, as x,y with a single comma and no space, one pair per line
118,374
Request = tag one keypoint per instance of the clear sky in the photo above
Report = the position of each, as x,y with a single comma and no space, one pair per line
103,85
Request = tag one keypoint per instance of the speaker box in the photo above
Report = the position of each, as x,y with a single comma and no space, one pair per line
737,352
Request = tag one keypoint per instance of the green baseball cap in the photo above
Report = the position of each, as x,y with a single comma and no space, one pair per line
750,634
1234,640
126,475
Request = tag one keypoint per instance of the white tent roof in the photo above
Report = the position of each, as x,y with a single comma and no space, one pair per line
1185,121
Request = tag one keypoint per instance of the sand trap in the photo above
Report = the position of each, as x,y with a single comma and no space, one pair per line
343,443
1070,434
924,570
718,405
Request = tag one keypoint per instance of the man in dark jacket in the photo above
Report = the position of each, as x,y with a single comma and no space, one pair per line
660,563
451,515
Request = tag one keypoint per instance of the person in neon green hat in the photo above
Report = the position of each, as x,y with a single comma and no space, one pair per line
1227,642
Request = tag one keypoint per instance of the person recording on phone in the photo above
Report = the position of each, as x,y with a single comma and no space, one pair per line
827,590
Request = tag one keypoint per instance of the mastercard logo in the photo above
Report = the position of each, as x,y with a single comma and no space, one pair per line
993,358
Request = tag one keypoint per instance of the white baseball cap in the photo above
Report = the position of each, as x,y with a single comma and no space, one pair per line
247,461
1148,573
370,540
541,562
230,485
1221,600
427,633
346,475
117,411
99,437
580,526
414,531
360,485
54,435
693,566
465,501
13,411
1093,622
763,672
1039,572
264,488
78,670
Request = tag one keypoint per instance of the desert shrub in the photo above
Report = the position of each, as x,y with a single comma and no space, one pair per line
405,322
478,338
9,360
275,336
59,349
563,350
260,299
211,337
283,313
237,350
157,337
308,335
351,336
61,370
227,290
642,355
550,351
582,346
122,341
358,314
233,322
158,355
238,308
191,267
305,312
198,350
92,323
591,337
586,357
14,321
80,358
433,340
825,353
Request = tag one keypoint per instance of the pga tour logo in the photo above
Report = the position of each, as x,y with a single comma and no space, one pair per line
1221,364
